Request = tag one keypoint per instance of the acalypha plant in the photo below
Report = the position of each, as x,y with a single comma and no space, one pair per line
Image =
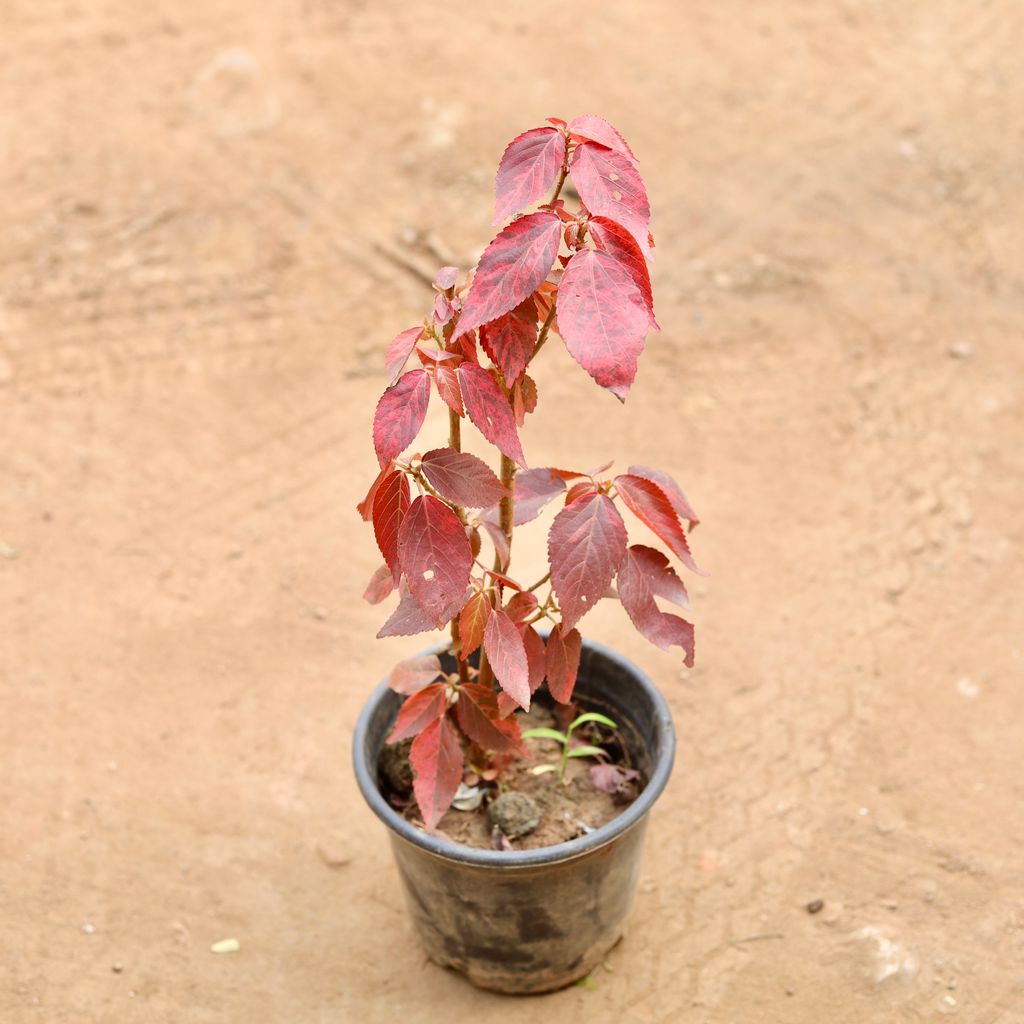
582,275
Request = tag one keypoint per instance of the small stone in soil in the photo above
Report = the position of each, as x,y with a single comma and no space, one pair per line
516,814
815,906
117,968
395,767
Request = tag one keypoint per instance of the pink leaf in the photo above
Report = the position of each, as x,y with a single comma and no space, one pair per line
610,186
510,339
400,414
597,129
661,577
478,714
436,556
511,268
683,508
521,606
661,628
413,674
585,547
615,240
614,779
380,586
436,760
473,622
563,662
536,656
649,503
462,478
390,505
533,489
498,538
490,411
407,619
446,278
426,705
447,379
603,319
507,655
399,350
527,170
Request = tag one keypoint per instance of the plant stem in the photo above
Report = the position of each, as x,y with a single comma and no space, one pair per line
541,581
455,443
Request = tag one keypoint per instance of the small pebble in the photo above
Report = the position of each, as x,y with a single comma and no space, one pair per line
226,946
961,350
88,928
516,814
117,968
815,906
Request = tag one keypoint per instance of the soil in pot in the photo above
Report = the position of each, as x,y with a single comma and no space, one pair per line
523,810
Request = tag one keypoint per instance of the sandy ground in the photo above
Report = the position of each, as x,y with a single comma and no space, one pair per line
212,218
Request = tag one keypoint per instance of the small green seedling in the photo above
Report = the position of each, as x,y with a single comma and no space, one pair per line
565,738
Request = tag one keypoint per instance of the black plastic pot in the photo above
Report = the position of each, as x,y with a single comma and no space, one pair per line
527,921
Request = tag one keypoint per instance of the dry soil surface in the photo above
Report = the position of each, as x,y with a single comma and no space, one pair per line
214,217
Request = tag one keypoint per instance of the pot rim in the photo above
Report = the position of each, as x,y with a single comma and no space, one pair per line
449,850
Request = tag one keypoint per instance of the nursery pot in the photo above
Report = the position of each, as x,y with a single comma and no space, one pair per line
525,921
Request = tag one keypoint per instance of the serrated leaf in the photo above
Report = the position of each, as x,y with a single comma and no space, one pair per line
400,414
662,629
650,504
615,240
472,622
502,548
507,655
426,705
399,349
436,760
365,507
672,491
390,505
532,490
407,619
580,490
521,606
381,584
604,319
528,169
536,656
477,712
436,556
563,662
510,340
586,543
610,186
489,409
661,577
462,478
413,674
446,378
597,129
511,268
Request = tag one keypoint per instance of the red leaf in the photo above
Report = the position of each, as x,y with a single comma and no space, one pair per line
436,557
407,619
381,584
446,278
400,414
597,129
478,714
399,350
528,168
610,186
532,490
521,606
661,628
490,411
528,388
390,505
436,760
510,339
563,662
604,319
503,579
650,504
661,577
365,507
507,655
580,490
498,538
672,491
536,656
511,268
615,240
443,310
472,622
447,380
423,707
613,778
585,547
413,674
462,478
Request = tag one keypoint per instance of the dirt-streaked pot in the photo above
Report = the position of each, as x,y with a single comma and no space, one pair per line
529,920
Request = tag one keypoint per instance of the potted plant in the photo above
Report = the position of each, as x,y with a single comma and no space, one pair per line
515,914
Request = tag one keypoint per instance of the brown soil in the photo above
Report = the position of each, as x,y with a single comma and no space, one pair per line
570,808
214,217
